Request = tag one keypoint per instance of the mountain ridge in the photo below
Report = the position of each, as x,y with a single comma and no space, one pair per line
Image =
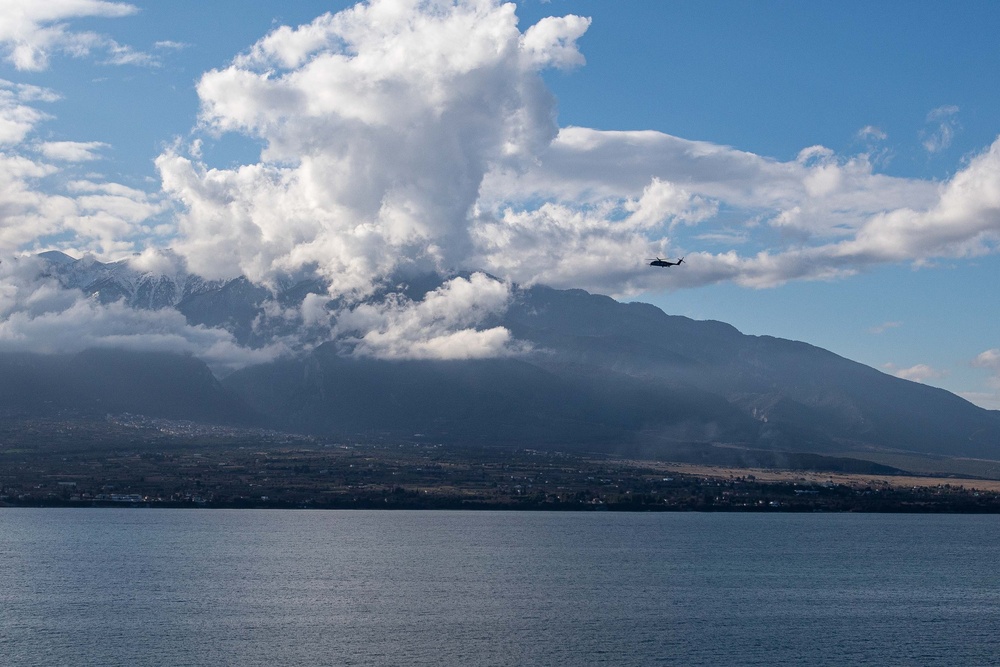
595,373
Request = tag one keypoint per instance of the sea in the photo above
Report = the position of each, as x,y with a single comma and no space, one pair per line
174,587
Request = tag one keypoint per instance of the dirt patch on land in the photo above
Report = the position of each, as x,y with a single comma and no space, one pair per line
791,476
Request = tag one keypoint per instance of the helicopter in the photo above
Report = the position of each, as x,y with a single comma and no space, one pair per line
664,262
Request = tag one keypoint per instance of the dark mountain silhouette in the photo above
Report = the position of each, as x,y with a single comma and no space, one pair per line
98,382
491,401
802,397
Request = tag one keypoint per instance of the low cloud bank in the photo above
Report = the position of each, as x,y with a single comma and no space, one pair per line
38,314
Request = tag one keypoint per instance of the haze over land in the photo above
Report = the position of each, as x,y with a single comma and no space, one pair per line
386,180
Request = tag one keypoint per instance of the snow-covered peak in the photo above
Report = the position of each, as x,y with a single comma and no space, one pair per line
138,283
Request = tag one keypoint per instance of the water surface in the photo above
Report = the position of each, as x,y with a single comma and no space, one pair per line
259,587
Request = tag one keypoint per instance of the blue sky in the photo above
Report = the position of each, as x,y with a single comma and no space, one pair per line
828,168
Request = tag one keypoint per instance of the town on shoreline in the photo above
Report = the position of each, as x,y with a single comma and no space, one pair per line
178,465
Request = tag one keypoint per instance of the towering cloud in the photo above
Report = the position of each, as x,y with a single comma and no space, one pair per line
379,124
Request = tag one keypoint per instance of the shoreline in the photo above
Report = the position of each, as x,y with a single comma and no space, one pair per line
409,476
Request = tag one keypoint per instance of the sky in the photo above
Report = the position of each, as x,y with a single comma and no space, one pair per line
829,170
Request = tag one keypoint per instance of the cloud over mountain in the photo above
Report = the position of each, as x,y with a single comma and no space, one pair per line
439,326
40,314
379,124
402,137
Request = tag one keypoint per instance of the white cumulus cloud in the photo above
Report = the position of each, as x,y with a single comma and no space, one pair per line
42,204
32,30
441,326
989,359
71,151
379,124
820,216
18,117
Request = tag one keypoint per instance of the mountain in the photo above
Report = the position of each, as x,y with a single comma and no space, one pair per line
623,376
489,401
116,281
600,374
237,304
94,383
802,397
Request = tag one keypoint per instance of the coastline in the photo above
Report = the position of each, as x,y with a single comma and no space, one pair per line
304,474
